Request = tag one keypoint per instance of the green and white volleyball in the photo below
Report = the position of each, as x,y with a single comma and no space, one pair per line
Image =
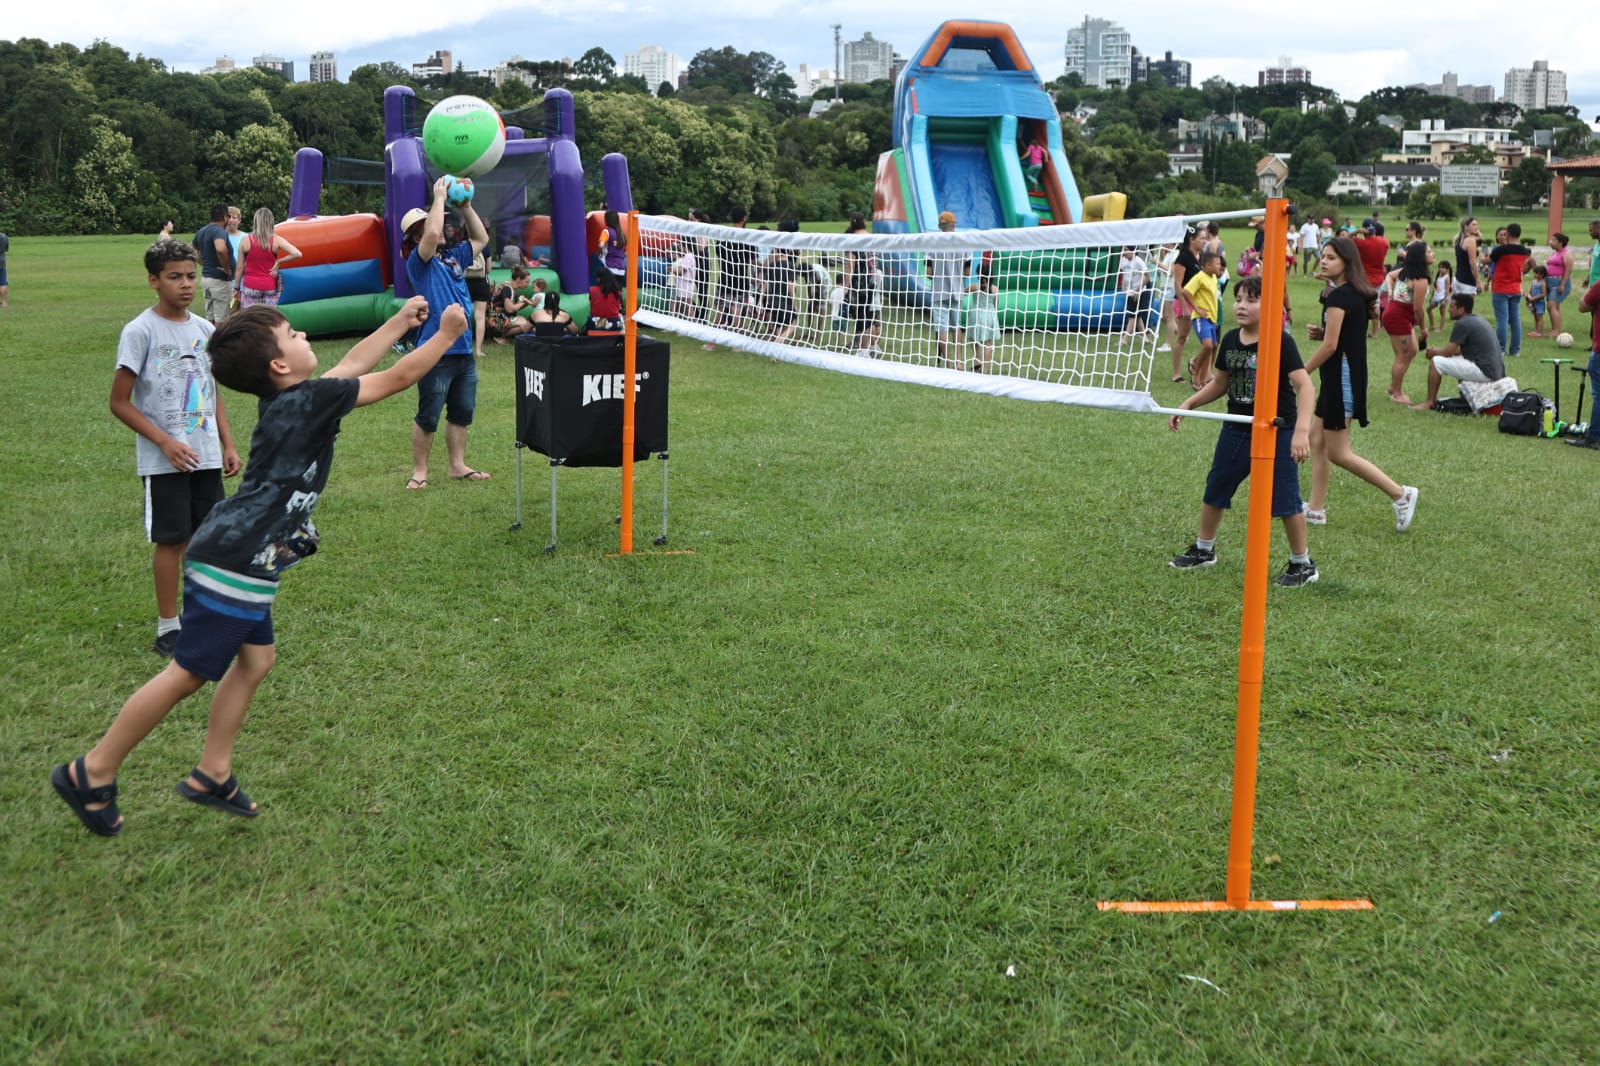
464,136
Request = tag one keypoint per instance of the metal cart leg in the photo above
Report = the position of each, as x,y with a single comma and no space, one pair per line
1580,425
549,549
663,538
517,524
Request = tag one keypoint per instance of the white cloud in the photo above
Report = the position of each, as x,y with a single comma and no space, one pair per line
1403,44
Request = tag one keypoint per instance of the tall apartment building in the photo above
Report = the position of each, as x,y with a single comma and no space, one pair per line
277,64
1284,74
868,59
323,67
441,62
1175,72
222,66
1536,89
1101,53
655,65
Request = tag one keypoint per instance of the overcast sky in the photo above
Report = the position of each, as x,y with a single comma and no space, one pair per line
1372,46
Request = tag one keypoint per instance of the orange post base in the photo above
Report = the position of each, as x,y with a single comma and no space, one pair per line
1198,906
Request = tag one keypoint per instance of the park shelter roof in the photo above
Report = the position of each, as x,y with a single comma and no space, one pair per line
1583,166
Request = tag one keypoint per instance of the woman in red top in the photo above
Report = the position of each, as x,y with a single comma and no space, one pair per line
605,304
264,254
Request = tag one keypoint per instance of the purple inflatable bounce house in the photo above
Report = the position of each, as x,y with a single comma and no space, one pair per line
505,198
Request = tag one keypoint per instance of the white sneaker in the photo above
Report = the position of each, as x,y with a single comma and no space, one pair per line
1165,348
1405,508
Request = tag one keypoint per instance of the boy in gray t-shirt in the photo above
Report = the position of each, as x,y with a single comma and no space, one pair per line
163,391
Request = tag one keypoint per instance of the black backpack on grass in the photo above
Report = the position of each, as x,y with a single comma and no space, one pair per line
1522,414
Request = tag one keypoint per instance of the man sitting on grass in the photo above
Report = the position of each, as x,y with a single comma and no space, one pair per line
1472,354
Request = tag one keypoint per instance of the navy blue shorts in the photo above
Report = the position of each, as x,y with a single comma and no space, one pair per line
221,614
1230,465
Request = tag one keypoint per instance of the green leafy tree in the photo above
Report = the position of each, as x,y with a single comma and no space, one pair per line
1474,154
1527,183
335,118
373,78
252,168
104,177
1230,162
44,120
596,67
1499,113
513,94
681,156
1425,202
1121,159
1312,169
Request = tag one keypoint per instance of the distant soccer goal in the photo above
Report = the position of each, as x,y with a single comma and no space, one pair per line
1067,314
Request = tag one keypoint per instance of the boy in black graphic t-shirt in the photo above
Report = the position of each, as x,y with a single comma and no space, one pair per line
1234,375
236,555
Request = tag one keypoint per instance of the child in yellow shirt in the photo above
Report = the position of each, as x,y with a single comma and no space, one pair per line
1202,289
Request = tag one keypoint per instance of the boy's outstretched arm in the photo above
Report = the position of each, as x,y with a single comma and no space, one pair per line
410,368
1217,386
369,350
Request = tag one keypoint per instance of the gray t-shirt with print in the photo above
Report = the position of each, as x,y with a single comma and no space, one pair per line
173,387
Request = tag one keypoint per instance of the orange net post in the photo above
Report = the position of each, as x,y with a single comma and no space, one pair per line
1252,635
1258,549
630,364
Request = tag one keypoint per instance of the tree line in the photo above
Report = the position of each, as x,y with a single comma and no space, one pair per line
98,141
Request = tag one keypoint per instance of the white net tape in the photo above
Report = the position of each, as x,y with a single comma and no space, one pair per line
1064,314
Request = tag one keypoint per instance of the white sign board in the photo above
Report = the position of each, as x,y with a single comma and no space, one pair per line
1463,180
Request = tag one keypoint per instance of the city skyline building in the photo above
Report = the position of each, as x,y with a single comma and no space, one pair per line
1285,73
1536,88
868,59
441,62
323,67
277,64
1177,73
654,64
1100,52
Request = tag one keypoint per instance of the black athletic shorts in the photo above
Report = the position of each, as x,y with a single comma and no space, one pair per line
176,504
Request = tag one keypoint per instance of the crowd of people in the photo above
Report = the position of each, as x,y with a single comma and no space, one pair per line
1363,291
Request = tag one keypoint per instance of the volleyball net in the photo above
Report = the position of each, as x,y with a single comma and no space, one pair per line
1065,314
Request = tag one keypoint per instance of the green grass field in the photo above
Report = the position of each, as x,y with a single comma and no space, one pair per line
845,783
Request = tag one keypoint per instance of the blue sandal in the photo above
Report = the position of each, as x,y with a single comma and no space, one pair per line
227,796
104,821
